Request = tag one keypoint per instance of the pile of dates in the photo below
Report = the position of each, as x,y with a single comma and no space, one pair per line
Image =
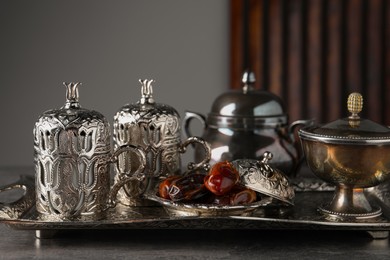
220,186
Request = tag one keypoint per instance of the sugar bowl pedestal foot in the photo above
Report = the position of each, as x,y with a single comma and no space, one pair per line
349,204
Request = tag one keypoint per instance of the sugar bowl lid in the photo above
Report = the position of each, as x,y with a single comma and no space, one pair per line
247,108
349,130
261,177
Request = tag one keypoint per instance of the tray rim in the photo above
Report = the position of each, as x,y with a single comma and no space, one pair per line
204,222
196,222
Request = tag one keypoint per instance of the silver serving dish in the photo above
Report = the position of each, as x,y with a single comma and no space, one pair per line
208,210
271,184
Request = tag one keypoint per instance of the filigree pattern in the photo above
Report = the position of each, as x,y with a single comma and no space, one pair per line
18,208
155,128
260,177
157,132
72,149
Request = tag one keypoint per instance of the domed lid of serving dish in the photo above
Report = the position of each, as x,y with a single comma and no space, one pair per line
350,130
247,108
261,177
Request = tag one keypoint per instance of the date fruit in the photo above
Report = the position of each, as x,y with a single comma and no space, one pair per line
219,187
245,196
163,188
186,188
221,178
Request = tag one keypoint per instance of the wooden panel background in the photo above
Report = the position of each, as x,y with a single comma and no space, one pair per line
313,53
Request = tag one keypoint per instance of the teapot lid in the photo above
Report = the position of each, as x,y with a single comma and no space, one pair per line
247,107
349,130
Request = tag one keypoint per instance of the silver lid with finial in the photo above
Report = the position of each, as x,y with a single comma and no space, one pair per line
349,130
71,150
259,176
155,128
247,108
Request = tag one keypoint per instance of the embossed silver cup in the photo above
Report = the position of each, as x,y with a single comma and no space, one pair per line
155,128
72,155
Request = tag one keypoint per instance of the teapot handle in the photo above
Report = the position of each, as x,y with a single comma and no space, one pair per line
189,115
15,210
292,133
294,125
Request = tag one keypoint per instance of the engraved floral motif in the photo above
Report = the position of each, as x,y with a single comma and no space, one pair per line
71,152
18,208
156,129
259,176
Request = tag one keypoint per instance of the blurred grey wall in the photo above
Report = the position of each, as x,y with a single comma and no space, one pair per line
108,46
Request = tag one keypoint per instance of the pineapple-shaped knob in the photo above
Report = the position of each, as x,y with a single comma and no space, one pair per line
355,105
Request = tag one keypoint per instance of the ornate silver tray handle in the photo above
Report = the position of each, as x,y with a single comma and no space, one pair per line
16,209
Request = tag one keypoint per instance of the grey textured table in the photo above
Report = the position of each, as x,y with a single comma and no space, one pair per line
187,244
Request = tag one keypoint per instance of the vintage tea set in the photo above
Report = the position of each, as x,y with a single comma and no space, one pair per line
244,160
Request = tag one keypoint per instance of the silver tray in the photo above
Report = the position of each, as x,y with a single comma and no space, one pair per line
302,216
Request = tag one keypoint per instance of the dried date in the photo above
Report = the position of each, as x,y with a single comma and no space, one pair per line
221,178
165,185
220,187
186,188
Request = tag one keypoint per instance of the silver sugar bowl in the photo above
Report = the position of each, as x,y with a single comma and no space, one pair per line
155,128
72,155
351,153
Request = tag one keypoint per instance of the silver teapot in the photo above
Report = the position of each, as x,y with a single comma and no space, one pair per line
243,124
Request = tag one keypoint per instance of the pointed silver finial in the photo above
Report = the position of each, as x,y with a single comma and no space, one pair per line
146,91
72,94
